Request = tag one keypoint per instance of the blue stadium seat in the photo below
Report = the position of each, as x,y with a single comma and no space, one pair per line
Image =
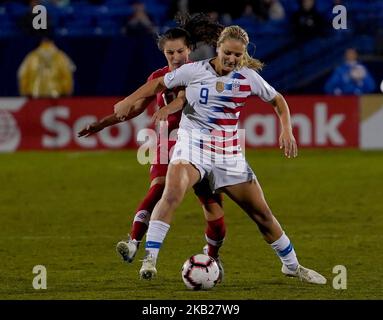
16,9
290,6
249,24
274,27
7,26
324,6
109,26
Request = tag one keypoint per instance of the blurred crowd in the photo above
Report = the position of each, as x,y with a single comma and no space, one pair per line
305,20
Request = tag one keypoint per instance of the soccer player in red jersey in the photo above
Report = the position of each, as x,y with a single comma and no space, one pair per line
176,44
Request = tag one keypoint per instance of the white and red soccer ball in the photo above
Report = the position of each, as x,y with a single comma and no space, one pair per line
200,272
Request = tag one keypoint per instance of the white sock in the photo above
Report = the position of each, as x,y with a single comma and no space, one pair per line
155,236
142,216
214,243
286,252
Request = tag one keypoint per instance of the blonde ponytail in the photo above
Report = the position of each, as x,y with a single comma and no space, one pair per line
251,63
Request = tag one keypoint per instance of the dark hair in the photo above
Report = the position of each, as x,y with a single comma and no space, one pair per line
173,34
195,28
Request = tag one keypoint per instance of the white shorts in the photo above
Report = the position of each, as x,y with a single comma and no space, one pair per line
220,170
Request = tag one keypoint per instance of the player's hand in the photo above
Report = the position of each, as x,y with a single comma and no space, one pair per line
90,129
288,143
122,109
160,115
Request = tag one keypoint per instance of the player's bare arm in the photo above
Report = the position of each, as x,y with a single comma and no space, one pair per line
286,139
97,126
150,88
111,119
174,106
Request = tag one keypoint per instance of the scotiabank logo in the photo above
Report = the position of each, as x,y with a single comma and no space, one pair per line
320,130
330,123
61,130
9,132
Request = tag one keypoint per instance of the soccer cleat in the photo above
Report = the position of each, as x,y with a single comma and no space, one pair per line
127,249
304,274
219,262
148,270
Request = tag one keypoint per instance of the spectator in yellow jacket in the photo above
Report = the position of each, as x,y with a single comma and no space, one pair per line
46,72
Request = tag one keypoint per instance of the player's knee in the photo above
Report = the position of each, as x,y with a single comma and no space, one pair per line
172,198
263,217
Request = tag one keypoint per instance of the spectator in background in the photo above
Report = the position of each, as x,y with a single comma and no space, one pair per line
267,10
46,72
307,22
351,77
276,12
177,6
248,13
140,22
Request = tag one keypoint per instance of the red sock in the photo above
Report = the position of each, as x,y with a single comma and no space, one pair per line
215,234
144,210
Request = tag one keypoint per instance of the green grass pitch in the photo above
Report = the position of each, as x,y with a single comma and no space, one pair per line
67,210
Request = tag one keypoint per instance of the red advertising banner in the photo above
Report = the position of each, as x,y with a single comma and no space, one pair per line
318,121
53,124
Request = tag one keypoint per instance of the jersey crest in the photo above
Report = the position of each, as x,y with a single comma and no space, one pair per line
219,86
235,87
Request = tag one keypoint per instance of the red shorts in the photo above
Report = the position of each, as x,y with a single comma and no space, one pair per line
201,189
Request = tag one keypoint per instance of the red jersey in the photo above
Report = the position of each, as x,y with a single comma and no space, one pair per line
169,95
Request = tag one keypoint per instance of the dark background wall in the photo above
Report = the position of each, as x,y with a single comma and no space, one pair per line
105,65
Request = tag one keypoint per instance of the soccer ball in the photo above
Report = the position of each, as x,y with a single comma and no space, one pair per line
200,272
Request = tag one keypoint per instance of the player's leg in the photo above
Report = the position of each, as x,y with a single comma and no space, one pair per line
215,232
214,215
128,249
249,196
144,210
180,177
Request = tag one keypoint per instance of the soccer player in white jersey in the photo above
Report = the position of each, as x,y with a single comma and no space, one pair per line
176,45
207,145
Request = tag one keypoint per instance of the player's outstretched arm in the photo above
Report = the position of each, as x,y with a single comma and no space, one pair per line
150,88
286,139
176,105
97,126
111,119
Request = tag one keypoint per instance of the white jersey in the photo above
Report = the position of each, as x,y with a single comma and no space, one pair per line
214,101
